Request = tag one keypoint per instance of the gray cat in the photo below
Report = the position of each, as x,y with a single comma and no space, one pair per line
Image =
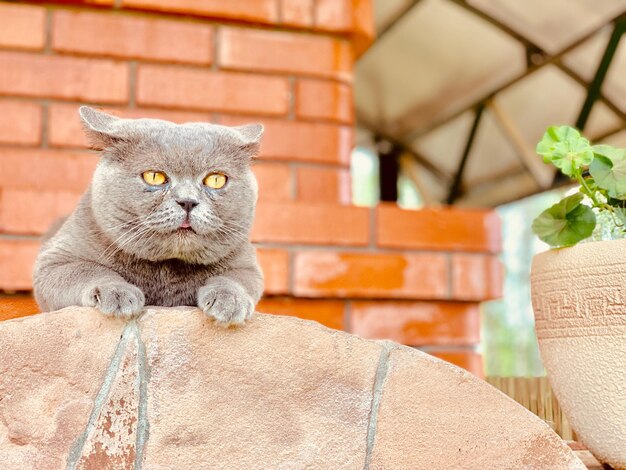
165,221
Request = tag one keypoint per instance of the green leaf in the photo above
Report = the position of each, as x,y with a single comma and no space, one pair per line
565,223
609,170
565,148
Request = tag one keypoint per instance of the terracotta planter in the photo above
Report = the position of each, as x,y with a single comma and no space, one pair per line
579,299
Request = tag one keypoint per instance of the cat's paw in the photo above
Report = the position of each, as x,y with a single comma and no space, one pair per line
116,299
226,302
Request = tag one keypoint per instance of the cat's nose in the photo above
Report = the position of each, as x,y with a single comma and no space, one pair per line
187,204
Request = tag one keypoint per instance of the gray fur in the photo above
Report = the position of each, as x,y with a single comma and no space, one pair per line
122,247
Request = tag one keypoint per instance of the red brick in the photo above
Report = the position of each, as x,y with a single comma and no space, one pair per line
320,99
46,170
265,11
310,224
17,258
64,126
282,52
325,185
71,78
297,13
33,211
275,266
131,37
438,229
274,181
178,87
23,27
333,15
369,275
363,26
16,306
66,130
476,277
417,323
20,123
179,117
327,312
303,141
468,360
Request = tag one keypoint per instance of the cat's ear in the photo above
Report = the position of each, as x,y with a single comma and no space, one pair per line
249,140
250,134
102,129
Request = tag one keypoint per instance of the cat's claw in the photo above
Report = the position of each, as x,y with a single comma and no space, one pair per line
116,299
226,302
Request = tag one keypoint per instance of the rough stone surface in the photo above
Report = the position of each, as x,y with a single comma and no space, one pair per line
111,436
173,390
273,392
579,301
51,369
456,421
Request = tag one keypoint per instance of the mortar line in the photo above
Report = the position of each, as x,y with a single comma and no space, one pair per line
49,24
132,83
293,181
347,315
143,426
450,274
379,383
44,135
291,113
372,224
291,274
215,48
103,393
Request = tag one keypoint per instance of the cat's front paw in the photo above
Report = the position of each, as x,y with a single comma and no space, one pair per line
226,302
118,299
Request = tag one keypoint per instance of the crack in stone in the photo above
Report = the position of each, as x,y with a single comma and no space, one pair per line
377,393
143,426
77,448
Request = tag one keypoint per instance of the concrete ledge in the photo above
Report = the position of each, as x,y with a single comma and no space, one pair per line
172,390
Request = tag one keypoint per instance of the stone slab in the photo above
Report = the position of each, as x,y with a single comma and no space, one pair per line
174,390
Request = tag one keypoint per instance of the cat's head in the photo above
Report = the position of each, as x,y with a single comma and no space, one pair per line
163,190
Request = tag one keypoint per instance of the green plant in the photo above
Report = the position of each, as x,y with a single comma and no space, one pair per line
601,172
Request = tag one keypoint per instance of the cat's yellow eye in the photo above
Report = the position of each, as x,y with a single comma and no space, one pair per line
154,178
215,180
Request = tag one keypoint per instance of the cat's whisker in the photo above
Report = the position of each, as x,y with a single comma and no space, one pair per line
223,240
237,235
114,227
106,255
132,238
235,228
145,240
116,246
236,225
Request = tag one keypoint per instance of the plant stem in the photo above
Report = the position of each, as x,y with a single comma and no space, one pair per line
587,191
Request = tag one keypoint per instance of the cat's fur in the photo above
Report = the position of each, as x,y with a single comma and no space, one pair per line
123,246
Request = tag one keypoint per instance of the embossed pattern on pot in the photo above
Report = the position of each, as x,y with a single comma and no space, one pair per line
580,310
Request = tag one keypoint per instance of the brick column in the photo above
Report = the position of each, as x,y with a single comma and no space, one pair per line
415,277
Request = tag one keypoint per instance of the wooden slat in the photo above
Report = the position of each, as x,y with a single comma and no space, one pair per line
542,173
535,394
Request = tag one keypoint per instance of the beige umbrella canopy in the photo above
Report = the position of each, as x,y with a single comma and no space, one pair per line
460,91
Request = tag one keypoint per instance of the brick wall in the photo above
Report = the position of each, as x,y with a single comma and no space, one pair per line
415,277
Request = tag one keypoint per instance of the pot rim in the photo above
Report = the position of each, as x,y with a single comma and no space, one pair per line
580,247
